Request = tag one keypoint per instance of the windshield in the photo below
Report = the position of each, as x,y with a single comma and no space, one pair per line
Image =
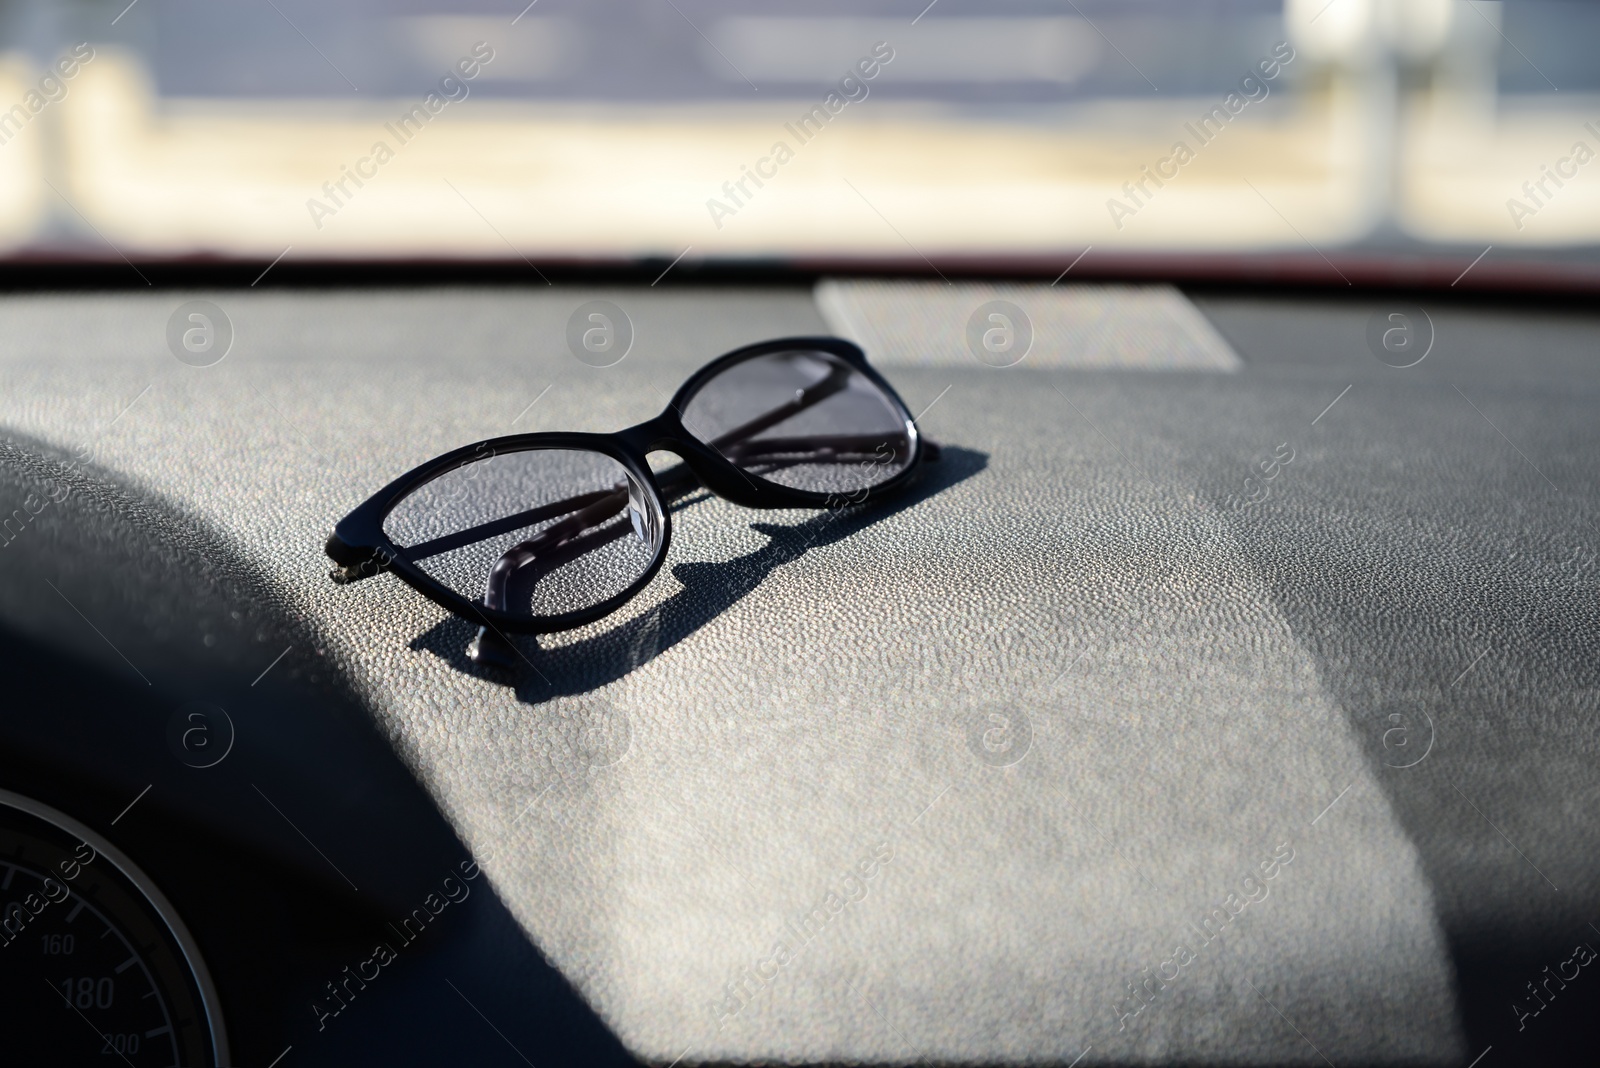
1338,140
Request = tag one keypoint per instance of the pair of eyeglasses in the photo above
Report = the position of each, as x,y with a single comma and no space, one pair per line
539,533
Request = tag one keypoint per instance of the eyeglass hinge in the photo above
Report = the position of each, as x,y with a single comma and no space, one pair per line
354,564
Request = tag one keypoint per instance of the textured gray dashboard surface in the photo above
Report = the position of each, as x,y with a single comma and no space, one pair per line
1072,688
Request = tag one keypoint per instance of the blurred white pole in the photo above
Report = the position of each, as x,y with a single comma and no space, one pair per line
1343,43
1375,55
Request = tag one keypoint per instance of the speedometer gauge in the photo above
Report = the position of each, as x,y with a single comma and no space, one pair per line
95,967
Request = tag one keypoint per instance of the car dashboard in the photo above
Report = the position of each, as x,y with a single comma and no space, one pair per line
1221,695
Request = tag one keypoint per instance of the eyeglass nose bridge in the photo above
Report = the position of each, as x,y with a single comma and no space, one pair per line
667,432
654,435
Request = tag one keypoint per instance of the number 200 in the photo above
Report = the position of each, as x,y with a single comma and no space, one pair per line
120,1043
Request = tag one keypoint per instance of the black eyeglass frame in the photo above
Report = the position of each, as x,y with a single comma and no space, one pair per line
362,549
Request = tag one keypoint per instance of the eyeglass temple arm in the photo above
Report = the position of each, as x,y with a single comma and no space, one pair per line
673,481
578,527
837,378
526,552
462,538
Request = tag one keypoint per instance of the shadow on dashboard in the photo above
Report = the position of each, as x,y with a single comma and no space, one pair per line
290,851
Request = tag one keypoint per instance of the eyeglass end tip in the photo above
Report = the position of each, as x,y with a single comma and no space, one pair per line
489,649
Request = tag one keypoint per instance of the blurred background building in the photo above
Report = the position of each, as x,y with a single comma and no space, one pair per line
1009,130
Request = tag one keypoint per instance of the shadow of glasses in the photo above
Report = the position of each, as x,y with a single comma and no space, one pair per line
709,589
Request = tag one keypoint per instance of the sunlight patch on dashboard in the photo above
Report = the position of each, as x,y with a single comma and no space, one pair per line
1084,327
